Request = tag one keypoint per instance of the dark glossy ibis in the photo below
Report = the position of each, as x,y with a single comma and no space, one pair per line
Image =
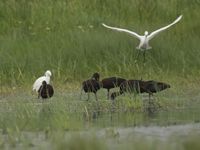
127,86
139,86
152,86
111,82
45,90
91,85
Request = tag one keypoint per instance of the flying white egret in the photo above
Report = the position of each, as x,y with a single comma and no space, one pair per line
144,39
38,82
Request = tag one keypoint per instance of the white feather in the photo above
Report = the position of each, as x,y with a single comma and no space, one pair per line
154,33
123,30
39,81
144,39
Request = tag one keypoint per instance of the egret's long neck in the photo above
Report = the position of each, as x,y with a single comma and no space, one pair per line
48,79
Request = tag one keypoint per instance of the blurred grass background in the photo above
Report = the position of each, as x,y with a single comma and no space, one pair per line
67,37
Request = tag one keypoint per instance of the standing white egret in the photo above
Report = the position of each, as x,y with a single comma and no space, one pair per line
38,82
144,39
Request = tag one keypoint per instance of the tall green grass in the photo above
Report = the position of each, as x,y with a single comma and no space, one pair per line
67,37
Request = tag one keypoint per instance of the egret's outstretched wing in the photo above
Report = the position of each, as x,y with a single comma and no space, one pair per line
123,30
153,34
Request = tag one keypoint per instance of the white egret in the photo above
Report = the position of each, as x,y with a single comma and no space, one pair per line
37,84
144,39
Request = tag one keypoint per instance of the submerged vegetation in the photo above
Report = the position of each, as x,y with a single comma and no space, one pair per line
67,37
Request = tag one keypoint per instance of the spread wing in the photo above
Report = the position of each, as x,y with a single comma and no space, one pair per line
153,34
123,30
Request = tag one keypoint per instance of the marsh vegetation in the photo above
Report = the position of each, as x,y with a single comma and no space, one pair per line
67,37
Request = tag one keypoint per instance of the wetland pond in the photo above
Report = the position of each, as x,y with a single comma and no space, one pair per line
70,123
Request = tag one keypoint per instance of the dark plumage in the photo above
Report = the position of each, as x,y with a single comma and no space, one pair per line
128,86
112,82
140,86
152,86
96,76
45,90
91,85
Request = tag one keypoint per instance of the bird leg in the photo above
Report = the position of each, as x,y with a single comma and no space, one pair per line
152,106
150,94
96,96
81,93
108,95
138,53
39,95
144,57
98,107
88,97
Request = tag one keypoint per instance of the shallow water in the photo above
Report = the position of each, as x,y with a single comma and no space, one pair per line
112,138
117,125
